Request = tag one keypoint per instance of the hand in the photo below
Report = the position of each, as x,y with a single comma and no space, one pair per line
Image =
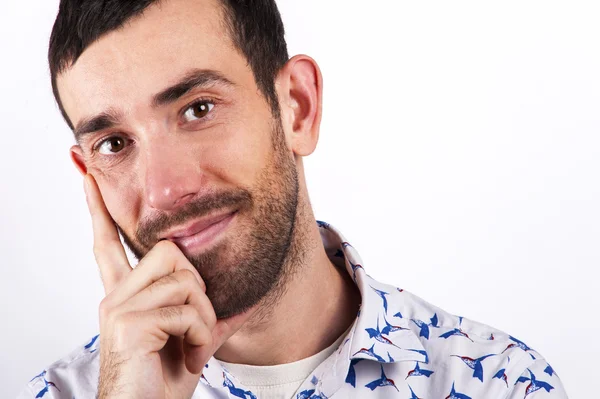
157,326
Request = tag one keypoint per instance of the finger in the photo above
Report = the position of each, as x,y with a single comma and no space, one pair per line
178,288
150,330
227,327
108,250
162,260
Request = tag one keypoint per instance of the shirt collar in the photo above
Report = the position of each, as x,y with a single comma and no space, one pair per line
379,334
379,323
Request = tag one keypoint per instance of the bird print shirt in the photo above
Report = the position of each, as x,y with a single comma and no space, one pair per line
399,346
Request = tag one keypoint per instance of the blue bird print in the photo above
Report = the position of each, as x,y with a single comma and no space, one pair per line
501,375
376,333
351,377
534,384
456,332
391,359
491,337
383,381
399,315
389,328
43,373
323,224
46,388
518,344
475,364
549,370
412,393
382,294
89,345
456,395
371,353
418,372
235,391
355,268
306,394
203,378
425,327
422,352
318,396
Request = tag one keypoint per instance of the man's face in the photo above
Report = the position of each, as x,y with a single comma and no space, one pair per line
163,162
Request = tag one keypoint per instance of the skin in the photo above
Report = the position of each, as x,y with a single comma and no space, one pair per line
173,163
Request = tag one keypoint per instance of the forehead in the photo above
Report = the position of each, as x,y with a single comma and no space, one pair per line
147,54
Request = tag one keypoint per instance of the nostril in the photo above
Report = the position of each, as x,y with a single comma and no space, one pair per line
182,200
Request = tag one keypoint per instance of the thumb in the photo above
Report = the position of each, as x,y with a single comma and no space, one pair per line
197,356
227,327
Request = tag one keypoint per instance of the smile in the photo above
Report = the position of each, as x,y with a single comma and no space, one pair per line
201,234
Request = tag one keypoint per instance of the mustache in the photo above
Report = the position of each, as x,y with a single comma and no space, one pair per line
149,230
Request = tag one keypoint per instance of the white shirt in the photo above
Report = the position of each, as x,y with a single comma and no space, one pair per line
280,381
399,346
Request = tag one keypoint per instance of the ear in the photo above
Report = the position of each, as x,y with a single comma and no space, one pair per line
78,160
300,92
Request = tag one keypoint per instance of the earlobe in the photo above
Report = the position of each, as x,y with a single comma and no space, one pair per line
78,160
303,92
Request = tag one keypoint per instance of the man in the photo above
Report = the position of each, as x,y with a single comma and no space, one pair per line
191,124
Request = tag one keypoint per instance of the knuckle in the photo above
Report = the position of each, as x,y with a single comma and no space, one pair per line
122,325
187,278
212,320
193,278
164,281
207,338
105,308
169,313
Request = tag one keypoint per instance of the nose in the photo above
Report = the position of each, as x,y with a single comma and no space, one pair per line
172,177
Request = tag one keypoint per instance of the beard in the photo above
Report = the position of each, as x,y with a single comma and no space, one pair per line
254,264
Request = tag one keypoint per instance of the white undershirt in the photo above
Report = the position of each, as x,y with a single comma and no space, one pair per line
279,381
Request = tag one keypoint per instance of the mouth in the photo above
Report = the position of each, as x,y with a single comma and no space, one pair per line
202,233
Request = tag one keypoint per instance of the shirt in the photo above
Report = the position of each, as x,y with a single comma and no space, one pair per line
279,381
399,346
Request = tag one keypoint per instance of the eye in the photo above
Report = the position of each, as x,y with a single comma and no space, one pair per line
198,110
111,145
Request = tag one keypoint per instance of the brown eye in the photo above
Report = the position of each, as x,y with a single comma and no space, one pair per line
112,145
198,111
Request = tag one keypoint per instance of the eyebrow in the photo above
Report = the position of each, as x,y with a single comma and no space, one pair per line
194,79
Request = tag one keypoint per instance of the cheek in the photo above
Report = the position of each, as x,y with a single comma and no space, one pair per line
122,199
239,157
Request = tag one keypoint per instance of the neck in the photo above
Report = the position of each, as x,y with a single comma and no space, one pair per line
312,306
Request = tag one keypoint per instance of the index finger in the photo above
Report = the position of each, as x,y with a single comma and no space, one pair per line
108,250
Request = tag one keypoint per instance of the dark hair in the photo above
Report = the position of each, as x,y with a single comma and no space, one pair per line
255,27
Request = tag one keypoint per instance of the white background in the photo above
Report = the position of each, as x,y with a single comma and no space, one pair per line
459,153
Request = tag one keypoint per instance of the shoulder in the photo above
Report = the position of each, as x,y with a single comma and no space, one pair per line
483,358
75,375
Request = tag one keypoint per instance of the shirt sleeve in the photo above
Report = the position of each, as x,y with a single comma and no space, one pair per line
539,378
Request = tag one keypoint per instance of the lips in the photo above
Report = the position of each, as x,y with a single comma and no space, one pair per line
197,226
